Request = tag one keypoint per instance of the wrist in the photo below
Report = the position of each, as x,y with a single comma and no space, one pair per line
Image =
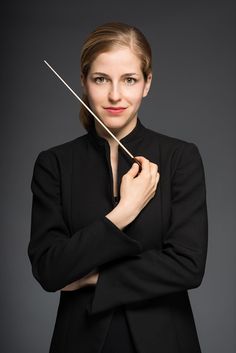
121,215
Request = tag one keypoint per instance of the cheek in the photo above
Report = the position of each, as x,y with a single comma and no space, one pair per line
135,96
95,95
135,93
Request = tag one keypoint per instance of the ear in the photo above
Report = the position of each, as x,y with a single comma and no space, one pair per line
147,85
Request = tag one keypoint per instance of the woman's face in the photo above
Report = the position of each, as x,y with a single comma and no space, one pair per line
115,80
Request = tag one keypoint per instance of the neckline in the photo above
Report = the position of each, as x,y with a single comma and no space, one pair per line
135,134
116,199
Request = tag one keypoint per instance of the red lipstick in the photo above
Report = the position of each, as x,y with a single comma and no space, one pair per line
115,110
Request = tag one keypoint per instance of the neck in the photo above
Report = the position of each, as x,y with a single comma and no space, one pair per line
119,133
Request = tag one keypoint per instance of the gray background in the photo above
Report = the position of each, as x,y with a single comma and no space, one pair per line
192,97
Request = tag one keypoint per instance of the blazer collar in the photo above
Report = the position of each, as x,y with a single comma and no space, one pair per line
133,136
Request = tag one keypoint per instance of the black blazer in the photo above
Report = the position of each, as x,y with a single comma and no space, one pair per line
148,267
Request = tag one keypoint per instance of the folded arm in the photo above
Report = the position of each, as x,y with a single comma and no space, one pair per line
58,258
180,264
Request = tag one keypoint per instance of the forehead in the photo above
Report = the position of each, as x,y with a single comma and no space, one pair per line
121,60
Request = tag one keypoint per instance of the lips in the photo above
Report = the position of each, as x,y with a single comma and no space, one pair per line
115,110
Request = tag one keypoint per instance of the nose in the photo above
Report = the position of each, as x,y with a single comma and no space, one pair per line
114,93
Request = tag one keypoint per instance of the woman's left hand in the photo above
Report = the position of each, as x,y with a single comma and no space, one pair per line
90,279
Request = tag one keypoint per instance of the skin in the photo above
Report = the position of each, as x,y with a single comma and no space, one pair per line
116,89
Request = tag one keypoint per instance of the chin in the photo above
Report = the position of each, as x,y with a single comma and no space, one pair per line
117,121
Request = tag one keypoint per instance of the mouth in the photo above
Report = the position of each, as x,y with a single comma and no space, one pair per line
115,110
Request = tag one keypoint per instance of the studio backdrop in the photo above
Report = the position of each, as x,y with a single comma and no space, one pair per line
192,97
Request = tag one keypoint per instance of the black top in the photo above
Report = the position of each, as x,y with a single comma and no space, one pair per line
118,338
163,249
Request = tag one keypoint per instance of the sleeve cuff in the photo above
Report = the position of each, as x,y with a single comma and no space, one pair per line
122,235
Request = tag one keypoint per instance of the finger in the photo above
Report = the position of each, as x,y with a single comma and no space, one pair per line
157,180
145,164
133,170
154,165
154,169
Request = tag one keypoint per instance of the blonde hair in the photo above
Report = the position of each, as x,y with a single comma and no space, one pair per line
105,38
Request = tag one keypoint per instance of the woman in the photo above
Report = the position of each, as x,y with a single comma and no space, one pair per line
123,246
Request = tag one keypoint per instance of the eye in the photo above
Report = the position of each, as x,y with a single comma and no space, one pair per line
131,80
99,80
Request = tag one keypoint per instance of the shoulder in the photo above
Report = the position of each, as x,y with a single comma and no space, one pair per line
66,147
170,143
174,150
61,155
164,139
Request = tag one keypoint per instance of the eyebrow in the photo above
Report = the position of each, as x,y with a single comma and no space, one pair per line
103,74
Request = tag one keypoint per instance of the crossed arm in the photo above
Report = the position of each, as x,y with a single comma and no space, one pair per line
60,262
90,279
121,217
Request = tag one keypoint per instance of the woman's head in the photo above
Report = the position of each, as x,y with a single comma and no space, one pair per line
114,50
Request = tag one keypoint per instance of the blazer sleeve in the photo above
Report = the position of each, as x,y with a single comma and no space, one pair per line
180,264
58,257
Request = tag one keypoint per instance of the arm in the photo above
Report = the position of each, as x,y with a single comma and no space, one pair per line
180,264
58,258
89,280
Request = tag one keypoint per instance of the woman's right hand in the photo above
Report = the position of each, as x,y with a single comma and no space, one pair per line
136,190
